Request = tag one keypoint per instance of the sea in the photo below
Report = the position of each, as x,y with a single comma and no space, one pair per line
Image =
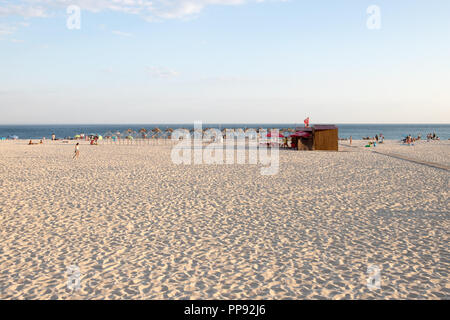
357,131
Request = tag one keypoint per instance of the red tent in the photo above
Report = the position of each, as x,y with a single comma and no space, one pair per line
302,134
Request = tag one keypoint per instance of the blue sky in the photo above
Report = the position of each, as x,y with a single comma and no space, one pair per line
224,61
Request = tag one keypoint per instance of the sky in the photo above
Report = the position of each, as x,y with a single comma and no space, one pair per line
224,61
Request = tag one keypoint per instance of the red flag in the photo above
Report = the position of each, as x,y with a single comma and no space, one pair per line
306,121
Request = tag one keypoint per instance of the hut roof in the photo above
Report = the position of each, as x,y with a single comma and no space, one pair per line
304,129
324,127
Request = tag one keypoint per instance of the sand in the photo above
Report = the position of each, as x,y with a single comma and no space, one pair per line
433,151
140,227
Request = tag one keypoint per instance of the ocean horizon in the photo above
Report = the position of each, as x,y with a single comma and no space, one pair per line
357,131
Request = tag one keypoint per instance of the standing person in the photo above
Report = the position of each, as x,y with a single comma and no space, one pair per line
351,140
77,151
376,137
53,137
293,144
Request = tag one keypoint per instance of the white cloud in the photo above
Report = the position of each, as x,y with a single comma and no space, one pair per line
150,10
159,72
107,70
22,9
122,34
11,28
6,30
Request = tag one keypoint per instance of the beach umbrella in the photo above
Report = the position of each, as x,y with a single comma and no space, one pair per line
279,135
143,133
197,132
240,131
251,133
156,131
168,132
130,133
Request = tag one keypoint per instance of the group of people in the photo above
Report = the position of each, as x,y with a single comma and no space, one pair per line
288,143
409,140
377,138
93,140
31,142
76,153
432,136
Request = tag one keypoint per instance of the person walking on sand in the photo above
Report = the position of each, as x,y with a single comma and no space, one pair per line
77,151
351,140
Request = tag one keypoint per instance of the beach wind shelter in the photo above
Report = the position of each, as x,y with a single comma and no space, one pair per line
317,137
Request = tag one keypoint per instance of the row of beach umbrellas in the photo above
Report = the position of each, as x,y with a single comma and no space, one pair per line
157,132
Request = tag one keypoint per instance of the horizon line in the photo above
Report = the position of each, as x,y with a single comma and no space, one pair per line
223,123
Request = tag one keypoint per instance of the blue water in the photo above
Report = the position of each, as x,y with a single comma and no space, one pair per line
357,131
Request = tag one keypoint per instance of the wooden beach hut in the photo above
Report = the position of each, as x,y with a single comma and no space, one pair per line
317,137
325,137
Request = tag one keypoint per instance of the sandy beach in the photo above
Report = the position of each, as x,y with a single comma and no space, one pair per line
140,227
